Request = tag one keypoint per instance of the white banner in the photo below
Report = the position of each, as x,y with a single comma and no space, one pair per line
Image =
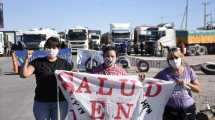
85,56
101,97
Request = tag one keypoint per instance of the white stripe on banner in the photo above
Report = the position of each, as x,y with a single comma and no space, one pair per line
102,97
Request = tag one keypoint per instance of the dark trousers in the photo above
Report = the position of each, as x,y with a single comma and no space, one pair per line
180,113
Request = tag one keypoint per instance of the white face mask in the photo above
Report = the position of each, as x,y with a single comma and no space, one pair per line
109,62
175,63
52,52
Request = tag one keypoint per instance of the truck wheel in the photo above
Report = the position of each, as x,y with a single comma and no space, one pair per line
201,50
143,66
191,51
208,68
124,62
202,116
90,66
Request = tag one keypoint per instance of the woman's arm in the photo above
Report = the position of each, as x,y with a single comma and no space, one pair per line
27,70
194,86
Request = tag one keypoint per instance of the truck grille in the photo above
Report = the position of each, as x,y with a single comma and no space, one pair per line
76,43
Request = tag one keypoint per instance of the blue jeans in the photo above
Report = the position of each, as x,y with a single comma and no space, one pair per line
49,110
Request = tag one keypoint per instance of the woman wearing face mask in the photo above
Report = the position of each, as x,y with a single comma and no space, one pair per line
181,105
109,67
45,101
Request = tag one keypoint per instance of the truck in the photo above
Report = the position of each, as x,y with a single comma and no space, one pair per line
7,40
35,38
120,34
1,44
77,38
94,39
197,42
154,40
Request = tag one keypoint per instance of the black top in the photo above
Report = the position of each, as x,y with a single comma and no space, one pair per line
46,89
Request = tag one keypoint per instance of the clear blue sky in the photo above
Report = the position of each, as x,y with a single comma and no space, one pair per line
98,14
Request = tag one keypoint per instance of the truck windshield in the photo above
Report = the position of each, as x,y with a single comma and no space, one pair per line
33,38
121,35
77,35
94,37
152,35
142,38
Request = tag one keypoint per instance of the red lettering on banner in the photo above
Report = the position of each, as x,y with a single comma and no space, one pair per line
123,83
67,85
97,109
84,85
101,87
149,89
121,108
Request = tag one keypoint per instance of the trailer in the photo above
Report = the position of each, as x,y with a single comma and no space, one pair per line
1,44
197,42
7,40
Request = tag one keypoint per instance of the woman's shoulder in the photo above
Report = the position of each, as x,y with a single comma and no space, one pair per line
121,69
188,69
98,68
165,70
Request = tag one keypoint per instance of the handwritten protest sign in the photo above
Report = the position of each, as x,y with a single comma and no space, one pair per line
63,53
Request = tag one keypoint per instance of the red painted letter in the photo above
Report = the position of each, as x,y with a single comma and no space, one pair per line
97,109
66,81
121,108
101,87
84,85
123,88
149,89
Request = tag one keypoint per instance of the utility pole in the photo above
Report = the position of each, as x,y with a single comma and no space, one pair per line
185,17
205,3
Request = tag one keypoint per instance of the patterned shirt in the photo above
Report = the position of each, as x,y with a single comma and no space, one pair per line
113,70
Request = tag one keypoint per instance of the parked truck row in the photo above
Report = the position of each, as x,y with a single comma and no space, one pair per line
142,40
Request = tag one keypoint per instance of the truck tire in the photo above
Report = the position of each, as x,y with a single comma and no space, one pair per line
202,116
143,66
191,50
124,61
201,50
208,68
88,64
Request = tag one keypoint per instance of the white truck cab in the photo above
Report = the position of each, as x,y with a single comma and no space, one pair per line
95,38
36,38
155,40
77,38
121,36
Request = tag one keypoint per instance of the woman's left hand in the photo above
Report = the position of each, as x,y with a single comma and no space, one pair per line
141,76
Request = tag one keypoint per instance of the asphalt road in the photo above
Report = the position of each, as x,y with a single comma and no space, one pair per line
16,94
